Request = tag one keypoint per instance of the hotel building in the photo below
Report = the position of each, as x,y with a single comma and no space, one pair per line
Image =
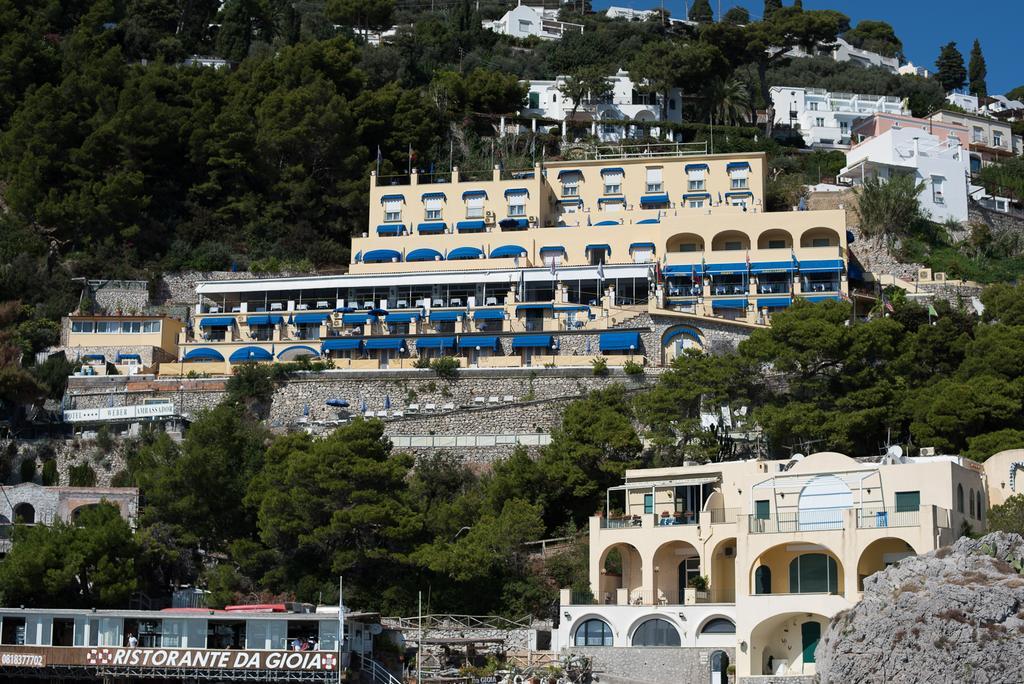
745,562
630,258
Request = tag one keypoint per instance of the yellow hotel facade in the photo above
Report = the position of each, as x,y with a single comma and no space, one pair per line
553,265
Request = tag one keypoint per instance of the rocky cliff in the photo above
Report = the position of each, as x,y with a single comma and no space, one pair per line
953,615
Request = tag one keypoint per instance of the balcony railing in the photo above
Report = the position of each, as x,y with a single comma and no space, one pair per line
720,516
814,520
623,522
872,518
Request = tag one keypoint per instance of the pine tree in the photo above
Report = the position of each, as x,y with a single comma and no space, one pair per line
976,71
701,13
798,4
949,67
769,8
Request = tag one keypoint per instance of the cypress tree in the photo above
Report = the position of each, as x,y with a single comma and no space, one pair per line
701,13
949,67
769,8
976,71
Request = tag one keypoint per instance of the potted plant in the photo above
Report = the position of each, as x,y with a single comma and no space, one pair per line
696,584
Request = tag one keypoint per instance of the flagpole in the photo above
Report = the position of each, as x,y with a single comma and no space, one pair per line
419,646
341,623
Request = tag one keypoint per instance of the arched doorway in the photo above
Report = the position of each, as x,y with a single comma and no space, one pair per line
880,554
656,632
784,645
621,568
763,580
723,571
823,503
676,563
25,514
719,667
789,569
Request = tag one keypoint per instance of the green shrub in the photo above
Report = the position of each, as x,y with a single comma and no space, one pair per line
600,365
82,475
421,362
446,366
103,439
633,368
27,470
50,475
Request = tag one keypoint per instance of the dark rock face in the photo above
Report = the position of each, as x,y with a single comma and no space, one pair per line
953,615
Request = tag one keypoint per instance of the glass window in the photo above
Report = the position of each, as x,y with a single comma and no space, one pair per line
696,204
82,326
697,184
392,211
739,183
718,626
534,100
475,207
517,205
937,183
689,246
654,183
648,503
820,242
819,121
911,501
762,509
813,573
776,244
656,632
433,214
612,188
733,245
594,633
763,580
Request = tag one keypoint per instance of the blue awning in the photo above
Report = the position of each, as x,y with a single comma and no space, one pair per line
297,351
552,249
390,229
763,302
660,198
598,247
489,315
337,403
470,227
436,316
434,195
607,200
612,169
534,306
377,256
94,357
822,298
517,191
356,318
683,270
433,228
506,251
694,167
424,254
683,332
402,317
341,344
737,165
474,193
203,354
264,319
128,357
573,307
435,343
642,245
850,237
824,266
217,322
649,220
607,223
772,267
729,304
307,318
740,193
465,253
570,200
696,195
619,341
510,223
532,341
390,343
484,342
725,269
250,354
566,172
387,198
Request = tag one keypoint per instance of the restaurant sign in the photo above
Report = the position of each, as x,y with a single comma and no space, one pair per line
184,658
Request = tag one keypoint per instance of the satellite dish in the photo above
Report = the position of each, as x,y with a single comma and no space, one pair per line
798,457
894,452
376,629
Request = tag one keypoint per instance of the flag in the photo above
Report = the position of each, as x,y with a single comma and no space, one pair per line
553,267
600,270
588,218
886,304
719,198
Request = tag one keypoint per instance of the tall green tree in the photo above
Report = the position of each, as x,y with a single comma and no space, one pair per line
889,209
949,67
588,83
876,36
700,12
736,15
770,8
977,71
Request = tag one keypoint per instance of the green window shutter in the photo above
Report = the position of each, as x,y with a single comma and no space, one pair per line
762,509
908,501
810,633
648,503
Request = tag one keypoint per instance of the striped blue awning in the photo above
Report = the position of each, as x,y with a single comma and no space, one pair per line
696,195
356,318
570,200
552,249
517,191
389,343
695,167
737,165
434,195
520,307
217,322
729,304
424,254
739,193
470,227
488,315
660,198
612,169
128,357
642,245
386,198
772,267
532,341
771,302
436,316
823,266
573,307
203,354
435,343
610,200
94,357
402,317
484,342
725,269
474,193
264,319
390,229
465,253
307,318
566,172
599,247
341,344
619,341
432,228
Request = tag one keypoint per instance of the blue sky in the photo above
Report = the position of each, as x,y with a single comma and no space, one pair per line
922,25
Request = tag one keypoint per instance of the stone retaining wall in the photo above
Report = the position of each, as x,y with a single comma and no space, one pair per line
124,296
180,288
67,453
997,221
639,665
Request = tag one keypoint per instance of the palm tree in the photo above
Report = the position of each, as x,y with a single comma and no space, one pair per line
727,101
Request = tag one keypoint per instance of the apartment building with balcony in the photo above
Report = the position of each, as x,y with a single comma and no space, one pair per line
747,561
552,265
524,21
619,116
825,119
132,343
934,153
990,140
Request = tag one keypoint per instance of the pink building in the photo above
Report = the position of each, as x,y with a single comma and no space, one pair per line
877,124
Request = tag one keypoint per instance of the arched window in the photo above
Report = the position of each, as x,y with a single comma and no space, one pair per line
813,573
959,498
24,513
594,632
656,632
970,501
763,580
718,626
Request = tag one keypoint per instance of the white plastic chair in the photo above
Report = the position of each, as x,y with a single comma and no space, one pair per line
448,407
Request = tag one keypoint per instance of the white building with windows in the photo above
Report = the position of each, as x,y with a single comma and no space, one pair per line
910,69
963,100
630,14
524,21
842,51
825,119
621,115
